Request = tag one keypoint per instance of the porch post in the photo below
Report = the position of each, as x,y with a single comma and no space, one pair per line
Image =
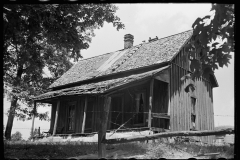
150,103
168,99
84,115
103,127
56,118
169,106
34,112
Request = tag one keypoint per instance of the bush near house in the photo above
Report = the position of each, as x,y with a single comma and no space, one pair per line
16,136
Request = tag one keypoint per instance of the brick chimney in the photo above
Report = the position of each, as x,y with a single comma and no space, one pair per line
128,41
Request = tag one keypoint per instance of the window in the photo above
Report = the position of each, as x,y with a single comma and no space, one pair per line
193,113
139,115
70,116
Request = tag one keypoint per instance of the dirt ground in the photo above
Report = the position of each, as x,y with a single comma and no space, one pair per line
161,151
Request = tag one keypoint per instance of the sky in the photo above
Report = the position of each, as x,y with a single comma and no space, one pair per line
144,21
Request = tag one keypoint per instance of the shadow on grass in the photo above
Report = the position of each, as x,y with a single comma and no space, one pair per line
28,150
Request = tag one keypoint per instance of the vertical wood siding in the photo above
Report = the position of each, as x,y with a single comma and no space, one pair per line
180,101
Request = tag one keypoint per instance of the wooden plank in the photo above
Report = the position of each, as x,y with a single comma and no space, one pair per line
185,103
159,129
177,97
103,128
168,98
80,110
84,114
207,112
93,114
181,100
150,103
173,98
168,134
56,118
199,105
51,117
182,56
204,109
212,113
159,115
189,105
34,111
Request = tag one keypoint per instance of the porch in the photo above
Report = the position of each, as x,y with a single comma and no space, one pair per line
133,103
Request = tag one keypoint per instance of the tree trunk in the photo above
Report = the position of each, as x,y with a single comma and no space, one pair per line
14,100
11,118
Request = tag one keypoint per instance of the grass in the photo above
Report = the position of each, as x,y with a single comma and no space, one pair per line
61,150
32,150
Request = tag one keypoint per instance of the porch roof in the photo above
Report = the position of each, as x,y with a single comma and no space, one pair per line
100,87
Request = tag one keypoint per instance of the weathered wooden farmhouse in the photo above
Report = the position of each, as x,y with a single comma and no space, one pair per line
143,82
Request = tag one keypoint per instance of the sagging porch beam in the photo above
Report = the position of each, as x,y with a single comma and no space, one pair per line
56,118
34,112
103,127
150,103
84,114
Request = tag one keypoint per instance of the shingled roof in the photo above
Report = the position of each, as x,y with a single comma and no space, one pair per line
101,87
138,56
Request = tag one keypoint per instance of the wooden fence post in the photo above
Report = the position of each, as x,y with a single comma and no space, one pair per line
56,118
84,115
34,110
103,127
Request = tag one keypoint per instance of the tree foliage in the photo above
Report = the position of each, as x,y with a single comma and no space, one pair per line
39,36
212,41
16,136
